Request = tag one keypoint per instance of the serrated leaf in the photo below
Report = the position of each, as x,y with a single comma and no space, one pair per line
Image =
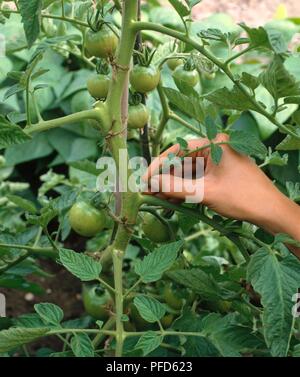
293,190
188,105
11,134
86,166
278,81
246,143
31,17
199,281
80,265
180,7
270,39
50,313
232,99
249,80
152,267
148,342
276,281
149,308
289,143
16,337
17,88
211,128
82,346
216,153
25,204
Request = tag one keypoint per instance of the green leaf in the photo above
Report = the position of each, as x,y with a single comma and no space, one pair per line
80,265
278,81
247,143
276,281
11,134
86,166
232,99
82,346
16,337
274,158
289,143
199,281
180,8
148,342
277,41
149,308
249,80
188,105
270,39
293,190
227,336
216,153
17,88
152,267
50,313
183,143
31,17
25,204
211,128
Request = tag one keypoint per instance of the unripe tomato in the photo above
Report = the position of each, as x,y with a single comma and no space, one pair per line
209,75
81,101
174,63
181,75
144,79
97,301
102,44
86,220
138,116
176,297
98,85
154,229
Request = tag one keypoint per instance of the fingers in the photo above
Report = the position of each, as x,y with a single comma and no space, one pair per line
158,162
173,187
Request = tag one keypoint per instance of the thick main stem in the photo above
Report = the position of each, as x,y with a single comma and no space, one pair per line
117,142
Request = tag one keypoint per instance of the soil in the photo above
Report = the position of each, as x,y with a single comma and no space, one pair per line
61,289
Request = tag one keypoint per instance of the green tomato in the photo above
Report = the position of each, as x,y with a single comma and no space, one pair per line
174,63
86,220
102,44
98,85
154,229
190,78
97,301
138,116
175,297
144,79
209,76
81,101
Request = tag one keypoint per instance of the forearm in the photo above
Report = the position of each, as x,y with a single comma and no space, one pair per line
283,216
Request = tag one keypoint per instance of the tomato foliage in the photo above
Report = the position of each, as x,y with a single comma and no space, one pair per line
184,281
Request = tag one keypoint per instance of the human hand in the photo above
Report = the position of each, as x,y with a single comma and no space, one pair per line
236,188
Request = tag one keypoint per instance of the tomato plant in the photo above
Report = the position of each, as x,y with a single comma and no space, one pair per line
83,82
